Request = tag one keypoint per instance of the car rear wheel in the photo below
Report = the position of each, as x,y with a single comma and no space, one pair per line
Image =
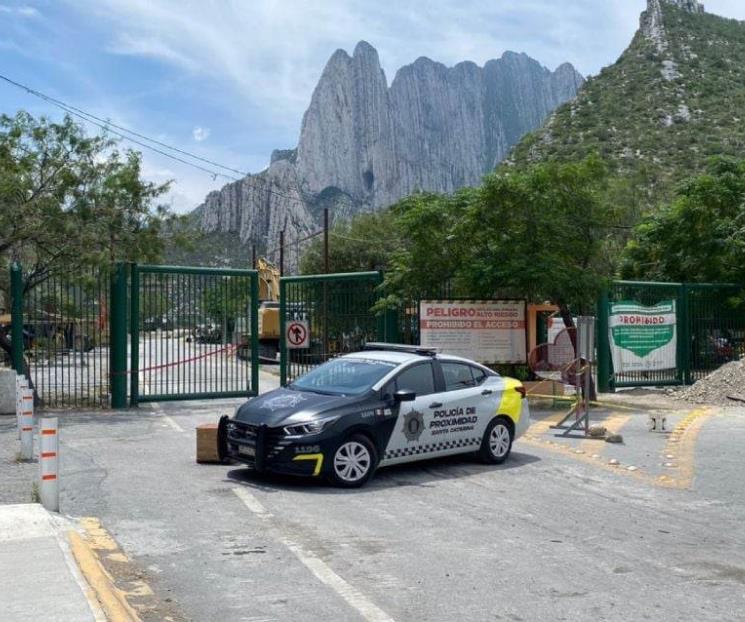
497,442
354,462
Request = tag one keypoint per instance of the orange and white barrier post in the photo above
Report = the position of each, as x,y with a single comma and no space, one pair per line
49,463
27,425
21,384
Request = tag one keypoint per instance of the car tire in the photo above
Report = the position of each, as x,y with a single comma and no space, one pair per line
497,442
354,462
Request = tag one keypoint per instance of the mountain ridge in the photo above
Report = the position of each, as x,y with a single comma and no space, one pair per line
668,104
365,143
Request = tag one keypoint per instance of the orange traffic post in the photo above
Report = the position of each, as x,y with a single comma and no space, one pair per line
27,425
49,463
21,384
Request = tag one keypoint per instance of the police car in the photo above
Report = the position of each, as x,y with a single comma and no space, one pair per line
385,405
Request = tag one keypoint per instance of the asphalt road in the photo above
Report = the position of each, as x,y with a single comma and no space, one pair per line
551,535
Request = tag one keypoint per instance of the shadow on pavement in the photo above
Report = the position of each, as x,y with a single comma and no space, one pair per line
422,474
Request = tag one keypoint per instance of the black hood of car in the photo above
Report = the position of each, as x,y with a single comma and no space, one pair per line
278,407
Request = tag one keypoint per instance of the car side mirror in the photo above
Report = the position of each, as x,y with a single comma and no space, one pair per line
404,395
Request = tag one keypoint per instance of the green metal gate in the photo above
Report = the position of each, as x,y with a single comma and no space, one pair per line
336,310
60,336
710,330
194,333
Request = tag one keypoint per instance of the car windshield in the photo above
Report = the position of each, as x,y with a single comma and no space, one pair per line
344,376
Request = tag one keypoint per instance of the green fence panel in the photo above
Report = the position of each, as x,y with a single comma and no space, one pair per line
65,333
16,317
710,328
649,294
193,333
118,337
716,327
338,311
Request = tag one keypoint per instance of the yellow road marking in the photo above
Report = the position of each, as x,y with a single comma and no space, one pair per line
561,448
111,599
541,426
98,538
613,423
682,445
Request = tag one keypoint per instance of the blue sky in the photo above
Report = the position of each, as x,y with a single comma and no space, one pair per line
230,79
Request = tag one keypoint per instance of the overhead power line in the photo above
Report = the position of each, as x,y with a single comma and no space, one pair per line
127,134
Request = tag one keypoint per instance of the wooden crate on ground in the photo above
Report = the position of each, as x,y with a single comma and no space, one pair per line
207,452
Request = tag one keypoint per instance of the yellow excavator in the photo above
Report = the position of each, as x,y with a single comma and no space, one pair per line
268,317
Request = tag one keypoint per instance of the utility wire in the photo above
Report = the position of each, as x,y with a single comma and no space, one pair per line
107,126
295,241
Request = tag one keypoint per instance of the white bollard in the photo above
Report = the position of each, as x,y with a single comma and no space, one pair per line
49,463
21,384
27,425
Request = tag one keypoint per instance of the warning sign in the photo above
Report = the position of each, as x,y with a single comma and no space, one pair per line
298,335
490,331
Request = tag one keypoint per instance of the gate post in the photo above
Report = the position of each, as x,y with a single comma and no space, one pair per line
16,317
604,384
134,336
682,322
118,336
255,332
282,329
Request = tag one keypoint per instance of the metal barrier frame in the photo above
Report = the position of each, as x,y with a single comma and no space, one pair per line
384,323
134,330
687,370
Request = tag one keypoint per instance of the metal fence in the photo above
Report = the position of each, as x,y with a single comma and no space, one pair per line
709,330
66,339
193,333
97,337
338,311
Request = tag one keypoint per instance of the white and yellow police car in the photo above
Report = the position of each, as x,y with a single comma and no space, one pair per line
385,405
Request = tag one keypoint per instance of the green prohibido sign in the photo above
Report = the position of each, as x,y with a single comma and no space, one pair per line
642,338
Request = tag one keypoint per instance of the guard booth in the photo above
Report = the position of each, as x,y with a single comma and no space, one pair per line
323,316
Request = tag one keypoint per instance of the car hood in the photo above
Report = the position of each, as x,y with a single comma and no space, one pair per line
285,406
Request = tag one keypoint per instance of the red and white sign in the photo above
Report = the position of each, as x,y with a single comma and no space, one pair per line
488,331
298,335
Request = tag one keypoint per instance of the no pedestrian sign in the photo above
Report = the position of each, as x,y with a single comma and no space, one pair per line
297,335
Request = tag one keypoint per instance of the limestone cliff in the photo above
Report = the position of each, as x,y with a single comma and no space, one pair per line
364,145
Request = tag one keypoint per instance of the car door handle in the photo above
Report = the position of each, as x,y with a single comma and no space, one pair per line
435,405
487,392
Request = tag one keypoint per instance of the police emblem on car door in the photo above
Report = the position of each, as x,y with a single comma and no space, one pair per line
411,436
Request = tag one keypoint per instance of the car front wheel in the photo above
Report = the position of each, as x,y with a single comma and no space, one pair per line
497,442
354,462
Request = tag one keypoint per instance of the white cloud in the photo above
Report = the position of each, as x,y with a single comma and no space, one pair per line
201,133
150,47
23,10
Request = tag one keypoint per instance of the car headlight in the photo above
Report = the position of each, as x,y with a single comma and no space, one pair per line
309,427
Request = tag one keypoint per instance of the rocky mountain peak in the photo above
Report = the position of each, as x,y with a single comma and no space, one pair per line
658,113
692,6
365,144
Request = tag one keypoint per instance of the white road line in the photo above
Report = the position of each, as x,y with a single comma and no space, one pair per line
317,566
251,502
161,413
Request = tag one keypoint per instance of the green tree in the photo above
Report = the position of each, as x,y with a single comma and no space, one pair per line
68,200
364,243
430,258
700,236
543,233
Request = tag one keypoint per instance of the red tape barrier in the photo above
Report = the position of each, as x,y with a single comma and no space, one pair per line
182,362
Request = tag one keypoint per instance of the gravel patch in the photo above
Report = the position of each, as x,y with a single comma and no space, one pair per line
725,387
